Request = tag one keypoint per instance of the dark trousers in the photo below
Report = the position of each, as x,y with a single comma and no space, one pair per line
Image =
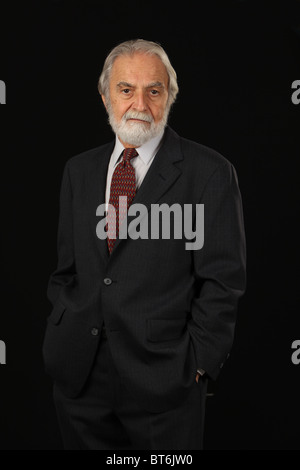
106,416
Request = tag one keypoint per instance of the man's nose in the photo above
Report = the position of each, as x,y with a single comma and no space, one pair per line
140,103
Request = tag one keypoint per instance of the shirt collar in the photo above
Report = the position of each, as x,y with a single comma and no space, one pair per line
145,151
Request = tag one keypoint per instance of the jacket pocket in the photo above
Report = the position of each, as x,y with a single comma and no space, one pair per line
57,313
160,329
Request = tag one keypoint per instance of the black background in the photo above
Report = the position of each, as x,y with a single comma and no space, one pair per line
236,61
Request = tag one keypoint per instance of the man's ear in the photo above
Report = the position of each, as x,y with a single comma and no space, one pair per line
104,101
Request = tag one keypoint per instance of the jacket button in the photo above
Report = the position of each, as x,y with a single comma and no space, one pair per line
94,331
107,281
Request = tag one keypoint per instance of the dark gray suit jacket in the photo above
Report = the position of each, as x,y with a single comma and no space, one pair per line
168,310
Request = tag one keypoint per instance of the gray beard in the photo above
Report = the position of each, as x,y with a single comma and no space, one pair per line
137,133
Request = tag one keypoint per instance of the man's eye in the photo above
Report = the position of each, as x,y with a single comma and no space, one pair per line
154,92
126,91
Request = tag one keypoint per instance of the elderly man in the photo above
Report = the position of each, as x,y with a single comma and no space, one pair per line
139,323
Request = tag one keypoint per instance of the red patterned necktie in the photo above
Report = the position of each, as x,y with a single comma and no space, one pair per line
122,184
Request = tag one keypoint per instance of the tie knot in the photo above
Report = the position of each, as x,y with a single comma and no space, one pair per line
128,154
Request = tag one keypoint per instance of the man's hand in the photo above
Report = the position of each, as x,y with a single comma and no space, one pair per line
200,373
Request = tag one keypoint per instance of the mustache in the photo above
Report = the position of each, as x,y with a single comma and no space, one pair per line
137,115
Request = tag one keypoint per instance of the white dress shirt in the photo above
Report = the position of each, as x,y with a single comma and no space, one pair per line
141,163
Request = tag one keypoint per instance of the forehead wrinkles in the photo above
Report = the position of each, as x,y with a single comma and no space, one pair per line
139,67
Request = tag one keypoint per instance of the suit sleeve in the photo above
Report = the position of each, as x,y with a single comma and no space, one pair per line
220,271
66,270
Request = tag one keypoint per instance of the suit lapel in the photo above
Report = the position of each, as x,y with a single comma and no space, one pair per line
161,175
96,190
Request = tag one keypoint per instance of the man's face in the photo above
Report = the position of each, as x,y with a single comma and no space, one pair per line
138,96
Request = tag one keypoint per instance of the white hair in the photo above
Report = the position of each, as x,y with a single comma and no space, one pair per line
129,48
